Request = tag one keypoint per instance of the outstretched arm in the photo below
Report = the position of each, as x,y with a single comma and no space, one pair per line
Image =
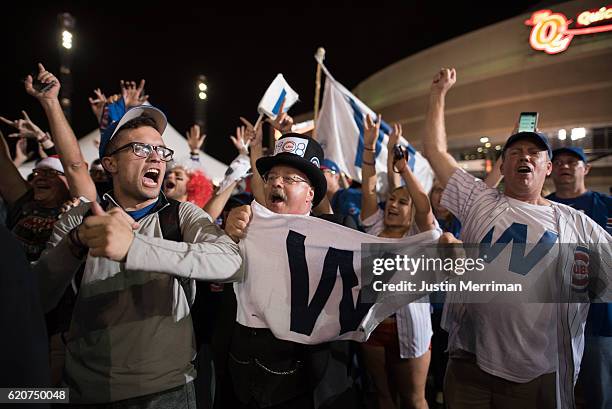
393,178
423,217
434,144
12,185
255,138
369,203
66,144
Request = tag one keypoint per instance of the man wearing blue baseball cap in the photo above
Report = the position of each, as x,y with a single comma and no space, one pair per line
570,166
344,202
130,341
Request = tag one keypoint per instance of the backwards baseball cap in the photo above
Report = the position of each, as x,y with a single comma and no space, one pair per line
302,153
537,137
50,162
572,150
143,110
331,165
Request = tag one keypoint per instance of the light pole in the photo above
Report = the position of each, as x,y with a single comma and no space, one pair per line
66,30
200,102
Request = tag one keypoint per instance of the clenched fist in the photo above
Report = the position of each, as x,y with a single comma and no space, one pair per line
108,234
237,222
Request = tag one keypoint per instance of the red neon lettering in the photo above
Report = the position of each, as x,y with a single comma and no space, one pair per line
550,32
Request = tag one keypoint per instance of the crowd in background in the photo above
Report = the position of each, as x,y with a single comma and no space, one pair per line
169,259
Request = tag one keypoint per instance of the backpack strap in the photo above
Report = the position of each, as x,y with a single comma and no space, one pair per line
170,224
169,221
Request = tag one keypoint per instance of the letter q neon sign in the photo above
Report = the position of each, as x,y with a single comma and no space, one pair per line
550,32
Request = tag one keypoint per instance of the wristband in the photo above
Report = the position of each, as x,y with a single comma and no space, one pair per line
368,163
45,138
78,248
369,149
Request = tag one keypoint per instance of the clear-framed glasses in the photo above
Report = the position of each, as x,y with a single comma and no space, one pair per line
47,172
144,150
270,178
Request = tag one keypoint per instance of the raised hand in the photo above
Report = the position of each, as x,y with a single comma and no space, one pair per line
21,152
133,95
195,139
25,127
400,163
97,103
394,136
370,131
241,141
254,137
444,80
50,84
283,122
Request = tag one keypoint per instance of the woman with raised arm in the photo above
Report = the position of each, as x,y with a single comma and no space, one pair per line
397,353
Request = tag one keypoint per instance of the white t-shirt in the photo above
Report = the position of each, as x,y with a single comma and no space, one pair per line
516,341
414,320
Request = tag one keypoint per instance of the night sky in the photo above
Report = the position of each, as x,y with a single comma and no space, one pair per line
240,51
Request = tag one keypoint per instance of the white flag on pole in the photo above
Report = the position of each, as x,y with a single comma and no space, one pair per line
340,133
272,99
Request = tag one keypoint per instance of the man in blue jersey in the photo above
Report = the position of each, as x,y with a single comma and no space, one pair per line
570,166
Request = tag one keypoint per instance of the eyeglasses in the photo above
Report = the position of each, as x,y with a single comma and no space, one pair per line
144,150
47,172
330,171
287,180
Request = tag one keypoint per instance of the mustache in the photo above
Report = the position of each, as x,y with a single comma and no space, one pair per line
278,193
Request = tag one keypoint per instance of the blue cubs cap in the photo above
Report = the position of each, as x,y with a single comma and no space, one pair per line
143,110
330,164
572,150
537,137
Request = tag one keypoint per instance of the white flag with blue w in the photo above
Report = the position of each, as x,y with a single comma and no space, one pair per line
272,99
340,133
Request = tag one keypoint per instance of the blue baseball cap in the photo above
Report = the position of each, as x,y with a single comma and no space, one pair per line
537,137
572,150
143,110
331,165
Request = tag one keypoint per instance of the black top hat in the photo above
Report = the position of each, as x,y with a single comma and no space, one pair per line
302,153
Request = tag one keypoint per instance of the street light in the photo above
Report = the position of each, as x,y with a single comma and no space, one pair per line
200,101
66,27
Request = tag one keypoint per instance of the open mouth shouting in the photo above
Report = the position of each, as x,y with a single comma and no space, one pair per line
278,197
169,185
524,169
151,177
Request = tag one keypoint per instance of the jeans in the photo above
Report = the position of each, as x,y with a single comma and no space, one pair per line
596,372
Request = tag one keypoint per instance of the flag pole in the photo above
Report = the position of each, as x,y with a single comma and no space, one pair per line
319,56
258,122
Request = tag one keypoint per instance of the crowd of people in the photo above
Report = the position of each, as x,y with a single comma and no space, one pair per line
127,265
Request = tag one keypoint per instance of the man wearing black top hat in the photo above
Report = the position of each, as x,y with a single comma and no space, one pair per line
266,371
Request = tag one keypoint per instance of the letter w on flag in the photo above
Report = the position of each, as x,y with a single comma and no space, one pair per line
340,133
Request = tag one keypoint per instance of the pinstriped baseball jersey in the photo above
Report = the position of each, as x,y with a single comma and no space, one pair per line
413,320
513,341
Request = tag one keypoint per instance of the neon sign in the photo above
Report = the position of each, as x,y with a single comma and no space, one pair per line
551,32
